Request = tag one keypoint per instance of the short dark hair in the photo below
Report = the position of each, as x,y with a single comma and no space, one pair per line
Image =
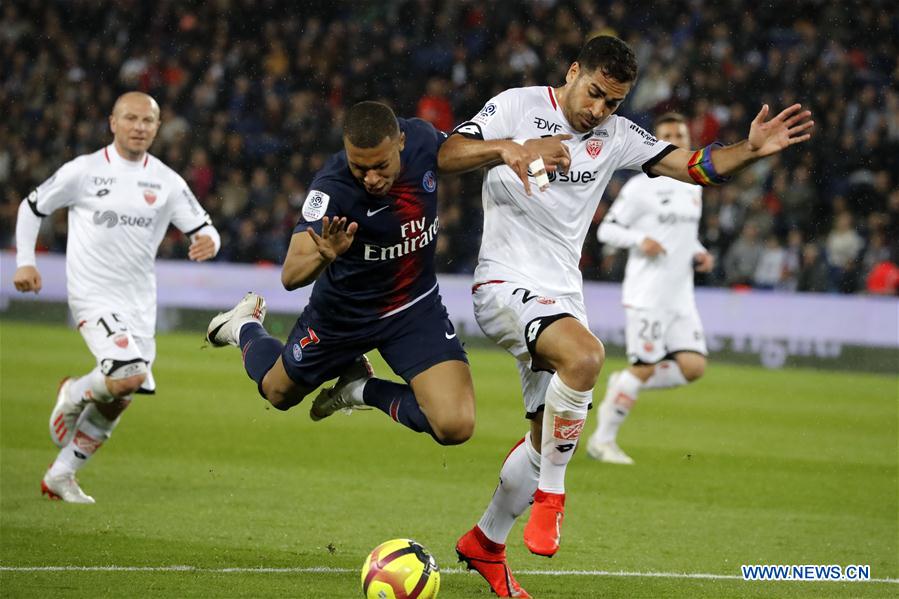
668,117
368,123
612,56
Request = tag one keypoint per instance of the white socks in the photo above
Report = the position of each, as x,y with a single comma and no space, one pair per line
563,420
666,374
517,483
620,397
355,390
90,386
92,430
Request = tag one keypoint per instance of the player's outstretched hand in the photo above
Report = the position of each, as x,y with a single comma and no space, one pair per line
556,155
651,247
336,237
791,126
703,262
27,278
201,248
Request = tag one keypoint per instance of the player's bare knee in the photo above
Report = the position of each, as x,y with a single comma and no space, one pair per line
584,362
454,432
280,400
693,368
123,387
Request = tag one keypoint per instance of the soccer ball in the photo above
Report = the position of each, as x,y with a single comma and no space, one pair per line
400,569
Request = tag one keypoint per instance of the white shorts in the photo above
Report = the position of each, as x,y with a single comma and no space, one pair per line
513,317
653,334
108,337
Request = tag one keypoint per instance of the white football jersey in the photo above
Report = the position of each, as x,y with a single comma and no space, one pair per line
118,214
668,211
537,240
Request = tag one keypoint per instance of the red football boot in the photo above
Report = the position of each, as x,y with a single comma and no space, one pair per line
544,528
489,560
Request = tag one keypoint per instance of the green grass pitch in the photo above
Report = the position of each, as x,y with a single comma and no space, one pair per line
747,466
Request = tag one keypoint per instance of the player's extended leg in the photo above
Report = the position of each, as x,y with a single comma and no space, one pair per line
577,356
438,401
93,428
242,327
421,346
483,548
445,393
623,390
686,367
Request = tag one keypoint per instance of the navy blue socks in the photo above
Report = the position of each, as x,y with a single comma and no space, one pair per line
398,402
260,351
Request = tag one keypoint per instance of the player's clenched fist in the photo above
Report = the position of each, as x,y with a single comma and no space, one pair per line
27,278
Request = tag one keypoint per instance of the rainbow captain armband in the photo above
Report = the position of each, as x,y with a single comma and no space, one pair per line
702,170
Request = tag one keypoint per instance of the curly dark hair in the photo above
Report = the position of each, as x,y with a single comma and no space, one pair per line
368,123
612,56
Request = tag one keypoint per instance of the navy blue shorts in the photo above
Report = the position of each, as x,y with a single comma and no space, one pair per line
319,349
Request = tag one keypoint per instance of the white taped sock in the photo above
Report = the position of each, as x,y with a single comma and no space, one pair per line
91,386
563,420
92,431
517,483
623,390
667,374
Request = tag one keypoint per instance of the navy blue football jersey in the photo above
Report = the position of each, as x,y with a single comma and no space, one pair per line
390,264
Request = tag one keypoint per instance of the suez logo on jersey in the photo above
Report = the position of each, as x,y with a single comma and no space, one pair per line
110,218
673,218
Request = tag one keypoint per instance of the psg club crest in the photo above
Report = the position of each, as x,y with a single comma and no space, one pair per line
594,147
149,197
429,182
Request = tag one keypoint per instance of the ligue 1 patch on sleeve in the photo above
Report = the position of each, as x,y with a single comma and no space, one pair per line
315,206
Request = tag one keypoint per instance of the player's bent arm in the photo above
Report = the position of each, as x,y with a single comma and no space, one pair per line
617,235
460,154
303,262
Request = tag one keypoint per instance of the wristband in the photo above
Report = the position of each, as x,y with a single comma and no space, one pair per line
701,169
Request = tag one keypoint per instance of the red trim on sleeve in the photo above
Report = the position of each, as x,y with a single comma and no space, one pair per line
551,97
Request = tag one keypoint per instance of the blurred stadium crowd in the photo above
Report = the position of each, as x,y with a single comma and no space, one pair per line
253,93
